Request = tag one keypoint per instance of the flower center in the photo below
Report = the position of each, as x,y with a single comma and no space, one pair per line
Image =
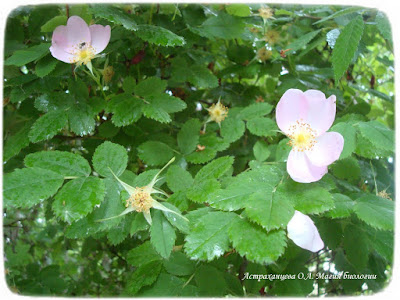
302,136
140,200
218,112
83,53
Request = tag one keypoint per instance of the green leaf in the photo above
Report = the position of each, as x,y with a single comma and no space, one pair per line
201,191
143,276
346,46
210,281
223,26
64,163
262,126
378,134
16,142
214,169
346,11
162,235
142,254
209,237
159,36
178,179
255,110
22,57
174,220
346,168
201,157
129,84
343,206
349,134
307,198
114,15
48,126
232,129
160,106
357,256
255,243
166,285
45,66
139,223
188,136
261,150
81,120
78,197
179,264
302,41
155,153
29,186
269,211
110,156
375,211
126,109
383,25
54,22
240,10
150,86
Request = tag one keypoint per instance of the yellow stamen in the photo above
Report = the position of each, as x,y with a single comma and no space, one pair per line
302,136
83,53
218,112
140,200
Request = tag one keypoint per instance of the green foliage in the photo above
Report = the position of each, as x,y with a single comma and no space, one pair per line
228,193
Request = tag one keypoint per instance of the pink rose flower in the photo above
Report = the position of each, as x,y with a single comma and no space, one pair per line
302,231
79,43
305,118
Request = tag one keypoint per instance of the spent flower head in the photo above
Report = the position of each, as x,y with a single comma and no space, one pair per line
217,112
264,54
305,117
77,43
271,36
141,199
265,12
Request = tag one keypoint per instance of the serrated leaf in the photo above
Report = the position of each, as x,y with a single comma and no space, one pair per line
114,15
45,66
48,126
150,86
375,211
62,162
160,106
155,153
16,142
211,281
255,110
269,211
81,119
165,286
179,264
262,126
159,36
178,179
346,46
162,234
349,135
126,109
201,157
343,206
110,156
139,223
232,129
188,136
214,169
142,254
29,186
378,134
240,10
22,57
261,150
346,169
174,220
383,25
202,191
143,276
357,256
118,233
54,22
255,243
302,41
78,197
209,238
348,10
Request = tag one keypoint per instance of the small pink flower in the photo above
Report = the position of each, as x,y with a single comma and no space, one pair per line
77,42
302,231
305,118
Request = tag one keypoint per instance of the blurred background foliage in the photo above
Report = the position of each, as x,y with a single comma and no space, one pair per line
201,53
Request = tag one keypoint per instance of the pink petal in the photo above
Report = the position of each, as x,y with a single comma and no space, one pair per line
60,38
77,33
302,231
328,148
291,107
311,106
321,111
60,54
301,170
100,37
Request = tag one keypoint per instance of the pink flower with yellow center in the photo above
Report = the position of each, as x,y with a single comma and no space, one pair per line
305,118
78,43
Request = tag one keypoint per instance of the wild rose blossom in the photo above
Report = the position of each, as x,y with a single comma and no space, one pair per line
305,118
78,43
302,231
141,200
